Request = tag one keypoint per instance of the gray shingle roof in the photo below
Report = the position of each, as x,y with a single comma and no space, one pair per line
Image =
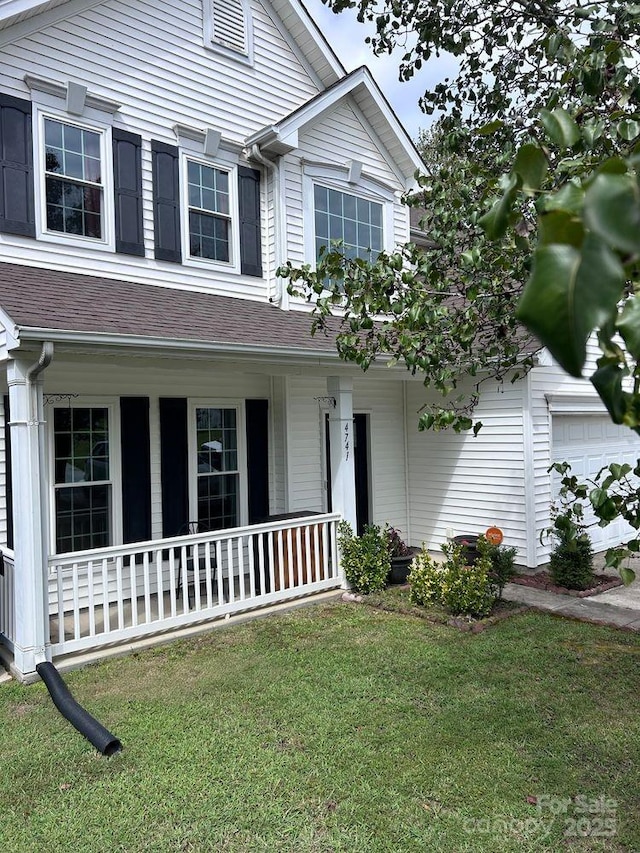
56,300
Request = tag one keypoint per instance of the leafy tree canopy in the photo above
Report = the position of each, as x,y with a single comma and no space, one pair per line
531,174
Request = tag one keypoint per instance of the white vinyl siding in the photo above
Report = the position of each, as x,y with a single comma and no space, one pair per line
459,484
113,49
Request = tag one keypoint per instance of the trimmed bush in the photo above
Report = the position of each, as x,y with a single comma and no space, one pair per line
502,564
571,561
425,579
365,559
459,587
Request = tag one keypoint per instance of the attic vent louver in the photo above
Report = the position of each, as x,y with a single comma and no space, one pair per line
230,24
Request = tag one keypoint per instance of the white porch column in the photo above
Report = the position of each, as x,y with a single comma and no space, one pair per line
30,587
343,482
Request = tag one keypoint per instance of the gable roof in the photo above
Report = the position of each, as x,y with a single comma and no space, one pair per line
282,137
42,304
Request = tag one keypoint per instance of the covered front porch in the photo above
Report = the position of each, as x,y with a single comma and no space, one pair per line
167,473
109,596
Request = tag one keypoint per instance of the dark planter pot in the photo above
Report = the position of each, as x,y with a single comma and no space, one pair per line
400,567
470,546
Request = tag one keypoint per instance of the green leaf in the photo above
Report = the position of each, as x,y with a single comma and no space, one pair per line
570,292
607,380
628,575
629,326
561,227
531,165
560,127
612,210
628,129
494,222
490,127
569,198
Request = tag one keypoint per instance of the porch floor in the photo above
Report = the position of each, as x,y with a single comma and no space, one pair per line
145,613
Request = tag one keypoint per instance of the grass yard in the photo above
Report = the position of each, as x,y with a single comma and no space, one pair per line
338,728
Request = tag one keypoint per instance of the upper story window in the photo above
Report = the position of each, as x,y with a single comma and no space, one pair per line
74,184
354,220
209,212
74,190
358,212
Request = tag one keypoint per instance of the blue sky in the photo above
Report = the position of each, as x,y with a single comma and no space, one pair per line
346,36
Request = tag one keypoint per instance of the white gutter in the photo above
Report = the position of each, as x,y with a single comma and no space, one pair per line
278,220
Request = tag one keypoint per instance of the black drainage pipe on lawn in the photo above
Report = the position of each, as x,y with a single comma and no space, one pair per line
87,725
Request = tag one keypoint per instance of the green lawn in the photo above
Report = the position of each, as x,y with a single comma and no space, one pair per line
338,728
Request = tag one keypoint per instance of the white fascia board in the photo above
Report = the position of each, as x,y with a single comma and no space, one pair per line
362,81
325,62
36,16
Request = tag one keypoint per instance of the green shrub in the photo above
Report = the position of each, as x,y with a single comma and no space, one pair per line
365,559
425,579
502,564
571,561
466,589
458,587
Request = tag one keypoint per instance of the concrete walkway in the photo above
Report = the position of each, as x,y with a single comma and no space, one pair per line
619,607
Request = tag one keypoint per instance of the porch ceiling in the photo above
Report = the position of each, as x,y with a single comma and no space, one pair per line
41,303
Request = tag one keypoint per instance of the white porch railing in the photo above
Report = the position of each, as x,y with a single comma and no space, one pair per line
7,605
110,595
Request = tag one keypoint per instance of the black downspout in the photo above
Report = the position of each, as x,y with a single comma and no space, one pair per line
87,725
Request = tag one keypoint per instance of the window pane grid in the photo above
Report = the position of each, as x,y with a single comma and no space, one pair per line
209,212
218,475
73,180
357,222
81,475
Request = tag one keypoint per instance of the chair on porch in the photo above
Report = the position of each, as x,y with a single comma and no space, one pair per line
191,528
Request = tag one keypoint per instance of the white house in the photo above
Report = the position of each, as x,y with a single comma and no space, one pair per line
169,422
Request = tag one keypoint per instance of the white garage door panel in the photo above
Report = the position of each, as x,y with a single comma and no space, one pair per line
589,443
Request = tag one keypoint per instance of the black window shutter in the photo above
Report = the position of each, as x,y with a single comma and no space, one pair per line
8,475
136,469
249,203
127,189
257,418
166,201
16,167
174,465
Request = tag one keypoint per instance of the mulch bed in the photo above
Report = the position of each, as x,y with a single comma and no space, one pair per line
399,603
542,580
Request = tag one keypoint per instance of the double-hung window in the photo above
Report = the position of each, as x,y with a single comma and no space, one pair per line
354,220
74,181
74,187
217,463
209,202
83,478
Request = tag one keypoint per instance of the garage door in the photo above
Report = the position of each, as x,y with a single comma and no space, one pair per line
588,443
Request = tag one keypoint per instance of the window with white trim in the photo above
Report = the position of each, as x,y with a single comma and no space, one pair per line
74,188
74,181
217,467
356,221
83,478
209,206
